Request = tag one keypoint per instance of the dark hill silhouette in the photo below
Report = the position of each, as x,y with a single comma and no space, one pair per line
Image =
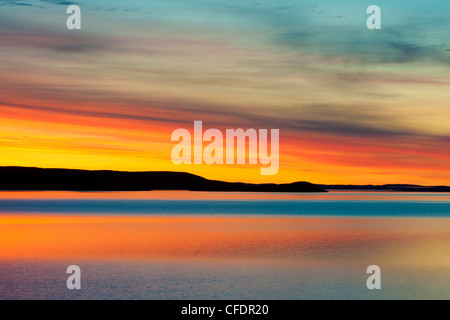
26,178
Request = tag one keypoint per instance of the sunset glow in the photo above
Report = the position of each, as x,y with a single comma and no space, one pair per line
353,106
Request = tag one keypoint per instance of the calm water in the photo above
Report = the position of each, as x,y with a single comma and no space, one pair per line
185,245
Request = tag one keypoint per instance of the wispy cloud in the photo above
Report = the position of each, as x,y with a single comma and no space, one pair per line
36,3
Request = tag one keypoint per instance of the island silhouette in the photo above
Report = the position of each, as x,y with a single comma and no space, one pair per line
33,179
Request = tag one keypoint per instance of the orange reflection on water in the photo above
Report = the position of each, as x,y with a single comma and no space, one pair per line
394,240
198,195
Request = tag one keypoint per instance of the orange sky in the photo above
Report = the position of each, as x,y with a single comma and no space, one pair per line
47,138
352,106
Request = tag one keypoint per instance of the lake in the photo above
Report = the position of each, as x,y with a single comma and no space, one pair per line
214,245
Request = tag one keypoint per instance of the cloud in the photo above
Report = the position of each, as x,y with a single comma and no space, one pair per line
60,2
37,3
17,32
90,113
334,57
57,42
350,120
15,3
337,120
359,46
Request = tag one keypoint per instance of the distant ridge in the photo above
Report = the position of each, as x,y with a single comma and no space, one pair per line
387,187
28,178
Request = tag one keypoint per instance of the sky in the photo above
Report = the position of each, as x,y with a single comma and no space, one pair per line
353,105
